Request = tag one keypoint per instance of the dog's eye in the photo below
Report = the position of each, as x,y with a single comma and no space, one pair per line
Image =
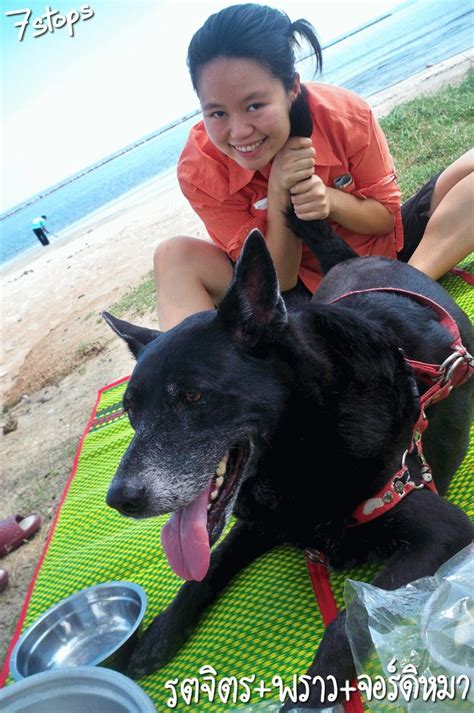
190,397
129,411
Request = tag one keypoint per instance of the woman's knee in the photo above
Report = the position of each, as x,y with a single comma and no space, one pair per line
460,168
196,260
173,252
451,176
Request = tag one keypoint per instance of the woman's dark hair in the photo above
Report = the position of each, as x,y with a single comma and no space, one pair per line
263,34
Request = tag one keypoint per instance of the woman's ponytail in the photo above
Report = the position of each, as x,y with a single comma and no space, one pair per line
305,29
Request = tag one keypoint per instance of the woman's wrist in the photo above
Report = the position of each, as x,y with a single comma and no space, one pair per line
278,195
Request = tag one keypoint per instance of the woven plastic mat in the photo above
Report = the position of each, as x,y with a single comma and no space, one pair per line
265,625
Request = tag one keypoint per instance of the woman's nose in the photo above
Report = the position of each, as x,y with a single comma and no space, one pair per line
240,128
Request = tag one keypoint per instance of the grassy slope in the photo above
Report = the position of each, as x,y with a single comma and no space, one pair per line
427,134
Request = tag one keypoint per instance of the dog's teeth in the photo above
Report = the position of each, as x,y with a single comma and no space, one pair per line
214,494
219,482
209,506
221,468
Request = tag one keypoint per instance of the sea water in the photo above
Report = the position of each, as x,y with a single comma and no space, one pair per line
70,201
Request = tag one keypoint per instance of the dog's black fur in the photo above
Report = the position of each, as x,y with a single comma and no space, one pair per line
321,405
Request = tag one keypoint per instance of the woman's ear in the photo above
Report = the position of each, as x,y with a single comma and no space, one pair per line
296,88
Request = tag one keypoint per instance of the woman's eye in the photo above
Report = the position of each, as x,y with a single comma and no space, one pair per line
190,397
217,114
254,107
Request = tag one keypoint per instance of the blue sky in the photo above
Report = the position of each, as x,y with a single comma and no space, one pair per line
69,101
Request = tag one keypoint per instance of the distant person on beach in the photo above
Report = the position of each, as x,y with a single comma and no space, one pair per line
241,170
39,229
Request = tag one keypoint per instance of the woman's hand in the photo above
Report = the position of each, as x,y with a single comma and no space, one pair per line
311,199
292,164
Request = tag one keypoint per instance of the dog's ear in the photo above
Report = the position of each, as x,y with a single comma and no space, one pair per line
253,302
136,337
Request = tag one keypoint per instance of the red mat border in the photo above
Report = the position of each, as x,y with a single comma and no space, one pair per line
6,664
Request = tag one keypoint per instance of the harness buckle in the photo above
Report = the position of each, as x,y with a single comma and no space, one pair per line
447,369
315,555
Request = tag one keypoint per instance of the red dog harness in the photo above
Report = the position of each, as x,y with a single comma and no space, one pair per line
457,368
441,378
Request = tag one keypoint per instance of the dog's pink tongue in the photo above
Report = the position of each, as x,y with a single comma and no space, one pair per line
185,539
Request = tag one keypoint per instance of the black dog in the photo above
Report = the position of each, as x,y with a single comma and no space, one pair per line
290,421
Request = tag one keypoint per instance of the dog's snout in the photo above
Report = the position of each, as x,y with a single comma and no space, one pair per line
128,498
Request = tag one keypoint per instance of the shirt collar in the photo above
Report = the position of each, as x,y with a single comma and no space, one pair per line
238,176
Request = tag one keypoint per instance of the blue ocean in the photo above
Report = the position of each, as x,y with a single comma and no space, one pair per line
389,49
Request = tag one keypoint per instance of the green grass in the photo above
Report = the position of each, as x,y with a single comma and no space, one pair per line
138,300
428,133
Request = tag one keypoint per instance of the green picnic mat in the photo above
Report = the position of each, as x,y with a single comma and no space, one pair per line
265,624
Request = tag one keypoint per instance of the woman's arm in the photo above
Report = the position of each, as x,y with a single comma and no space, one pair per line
284,247
313,200
294,163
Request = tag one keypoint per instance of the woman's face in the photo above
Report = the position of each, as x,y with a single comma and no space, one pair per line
245,109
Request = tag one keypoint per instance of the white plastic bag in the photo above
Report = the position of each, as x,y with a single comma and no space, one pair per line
414,647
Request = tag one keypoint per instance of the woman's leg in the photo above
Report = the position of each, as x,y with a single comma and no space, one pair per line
191,275
449,234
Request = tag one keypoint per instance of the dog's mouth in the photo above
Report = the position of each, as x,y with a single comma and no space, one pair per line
188,536
223,487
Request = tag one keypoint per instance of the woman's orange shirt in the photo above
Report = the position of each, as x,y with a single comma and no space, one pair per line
231,200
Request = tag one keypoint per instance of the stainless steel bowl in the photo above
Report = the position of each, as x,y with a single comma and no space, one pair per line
75,690
96,626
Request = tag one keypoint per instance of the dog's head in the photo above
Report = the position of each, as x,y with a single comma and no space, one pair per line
203,400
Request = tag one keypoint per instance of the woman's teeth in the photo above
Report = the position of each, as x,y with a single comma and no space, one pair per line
250,147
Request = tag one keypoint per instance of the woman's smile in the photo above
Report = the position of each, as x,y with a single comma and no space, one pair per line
248,149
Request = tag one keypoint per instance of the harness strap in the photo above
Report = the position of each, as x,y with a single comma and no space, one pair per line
398,487
319,574
457,368
444,316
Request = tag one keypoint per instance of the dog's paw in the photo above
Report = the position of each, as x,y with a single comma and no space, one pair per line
156,648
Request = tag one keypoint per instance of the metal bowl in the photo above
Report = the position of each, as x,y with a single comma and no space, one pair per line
94,627
75,690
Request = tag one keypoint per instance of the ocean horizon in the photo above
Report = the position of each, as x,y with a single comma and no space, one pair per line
350,61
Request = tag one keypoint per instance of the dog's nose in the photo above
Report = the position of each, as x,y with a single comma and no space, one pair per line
127,498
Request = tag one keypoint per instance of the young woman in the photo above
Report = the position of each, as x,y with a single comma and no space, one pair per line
240,170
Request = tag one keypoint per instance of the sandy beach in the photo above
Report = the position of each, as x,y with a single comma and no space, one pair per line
87,269
57,351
